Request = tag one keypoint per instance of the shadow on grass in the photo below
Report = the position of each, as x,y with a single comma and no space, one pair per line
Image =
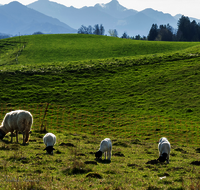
90,162
67,144
14,145
103,161
153,162
196,163
94,175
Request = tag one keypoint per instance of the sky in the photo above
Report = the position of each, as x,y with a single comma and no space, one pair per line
188,8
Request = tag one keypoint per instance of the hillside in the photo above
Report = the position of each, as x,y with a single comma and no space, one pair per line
103,73
66,48
133,92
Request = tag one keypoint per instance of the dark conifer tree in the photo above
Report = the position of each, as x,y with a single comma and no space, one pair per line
153,33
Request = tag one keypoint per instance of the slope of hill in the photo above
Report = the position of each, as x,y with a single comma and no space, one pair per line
103,73
17,18
77,47
134,100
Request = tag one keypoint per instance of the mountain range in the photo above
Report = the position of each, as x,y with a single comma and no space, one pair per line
112,15
16,18
50,17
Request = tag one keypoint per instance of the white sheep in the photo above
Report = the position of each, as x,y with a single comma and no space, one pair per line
164,149
18,121
106,148
49,140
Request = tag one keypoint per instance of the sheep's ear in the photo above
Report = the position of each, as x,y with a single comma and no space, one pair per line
53,148
45,148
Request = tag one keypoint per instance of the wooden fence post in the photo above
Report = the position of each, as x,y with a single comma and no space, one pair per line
45,112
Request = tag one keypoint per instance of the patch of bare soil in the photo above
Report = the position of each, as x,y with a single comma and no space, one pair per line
153,162
67,144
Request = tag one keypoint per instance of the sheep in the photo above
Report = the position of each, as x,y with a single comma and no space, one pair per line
164,149
18,121
49,140
105,147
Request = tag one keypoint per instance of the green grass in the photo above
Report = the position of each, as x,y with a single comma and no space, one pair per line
28,167
131,91
66,48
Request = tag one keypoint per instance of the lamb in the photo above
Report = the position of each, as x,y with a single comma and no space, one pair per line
164,150
106,148
18,121
49,140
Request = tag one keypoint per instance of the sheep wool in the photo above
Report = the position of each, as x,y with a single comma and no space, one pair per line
164,149
49,140
18,121
106,148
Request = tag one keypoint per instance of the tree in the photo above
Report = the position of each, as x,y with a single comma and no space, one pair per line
35,33
83,30
188,31
138,37
125,35
153,33
113,33
184,29
102,30
165,33
89,29
194,31
96,29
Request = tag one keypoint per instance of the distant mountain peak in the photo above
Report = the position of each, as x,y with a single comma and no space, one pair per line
14,3
114,2
112,5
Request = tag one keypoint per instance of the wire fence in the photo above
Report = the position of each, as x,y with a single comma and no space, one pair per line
51,117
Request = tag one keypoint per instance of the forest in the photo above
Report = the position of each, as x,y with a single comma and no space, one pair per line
187,31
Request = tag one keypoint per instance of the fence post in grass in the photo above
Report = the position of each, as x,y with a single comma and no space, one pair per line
45,112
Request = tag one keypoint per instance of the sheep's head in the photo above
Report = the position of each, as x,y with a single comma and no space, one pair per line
163,157
2,134
49,149
98,154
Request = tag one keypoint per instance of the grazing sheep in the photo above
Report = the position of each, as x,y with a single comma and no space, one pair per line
164,150
105,147
49,140
18,120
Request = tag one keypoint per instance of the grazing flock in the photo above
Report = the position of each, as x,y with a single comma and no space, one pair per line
21,121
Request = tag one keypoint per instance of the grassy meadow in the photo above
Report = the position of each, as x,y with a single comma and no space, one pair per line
97,86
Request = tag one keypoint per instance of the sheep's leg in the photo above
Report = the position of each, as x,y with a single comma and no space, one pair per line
105,155
109,155
11,136
27,136
24,135
17,136
167,159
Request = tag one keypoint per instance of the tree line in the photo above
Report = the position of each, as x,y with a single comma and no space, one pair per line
99,30
187,31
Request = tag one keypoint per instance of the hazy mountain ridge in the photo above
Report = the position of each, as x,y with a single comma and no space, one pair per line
51,17
112,15
17,18
116,10
72,16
